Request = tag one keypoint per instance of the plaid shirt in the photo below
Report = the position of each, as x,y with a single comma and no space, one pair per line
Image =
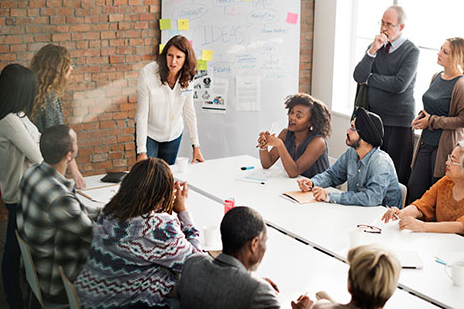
55,224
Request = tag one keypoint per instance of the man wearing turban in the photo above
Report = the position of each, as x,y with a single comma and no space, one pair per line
369,171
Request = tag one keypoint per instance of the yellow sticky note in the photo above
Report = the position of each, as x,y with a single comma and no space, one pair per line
161,47
201,65
182,24
207,55
165,24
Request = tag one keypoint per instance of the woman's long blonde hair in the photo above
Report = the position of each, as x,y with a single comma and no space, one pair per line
50,64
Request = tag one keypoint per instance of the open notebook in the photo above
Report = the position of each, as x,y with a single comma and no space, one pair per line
299,197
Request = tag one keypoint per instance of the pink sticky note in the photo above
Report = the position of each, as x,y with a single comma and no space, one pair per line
292,18
191,43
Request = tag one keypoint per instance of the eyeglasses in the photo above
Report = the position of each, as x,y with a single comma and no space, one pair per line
370,228
452,162
388,25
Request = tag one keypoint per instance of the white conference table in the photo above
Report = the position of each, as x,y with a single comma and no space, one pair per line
325,226
294,266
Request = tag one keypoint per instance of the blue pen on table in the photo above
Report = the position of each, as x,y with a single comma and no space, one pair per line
245,168
440,261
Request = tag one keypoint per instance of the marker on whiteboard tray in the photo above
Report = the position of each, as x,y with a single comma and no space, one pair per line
245,168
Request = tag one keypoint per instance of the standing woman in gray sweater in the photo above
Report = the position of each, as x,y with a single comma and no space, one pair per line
19,148
441,120
52,65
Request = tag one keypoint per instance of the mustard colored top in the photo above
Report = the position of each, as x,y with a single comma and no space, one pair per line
438,203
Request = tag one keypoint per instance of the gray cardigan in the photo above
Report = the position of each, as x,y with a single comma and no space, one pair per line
452,125
390,80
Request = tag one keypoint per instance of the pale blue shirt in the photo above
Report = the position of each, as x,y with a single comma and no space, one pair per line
372,181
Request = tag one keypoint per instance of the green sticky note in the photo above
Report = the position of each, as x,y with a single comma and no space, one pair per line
165,24
182,24
201,65
161,47
207,55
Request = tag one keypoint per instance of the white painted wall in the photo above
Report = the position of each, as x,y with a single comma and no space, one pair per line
324,73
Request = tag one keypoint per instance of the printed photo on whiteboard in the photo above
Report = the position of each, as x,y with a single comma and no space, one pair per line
247,93
215,97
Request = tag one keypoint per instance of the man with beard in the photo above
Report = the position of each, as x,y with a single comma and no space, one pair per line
226,282
369,171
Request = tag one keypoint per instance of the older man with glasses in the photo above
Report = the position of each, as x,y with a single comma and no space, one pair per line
444,202
369,171
389,70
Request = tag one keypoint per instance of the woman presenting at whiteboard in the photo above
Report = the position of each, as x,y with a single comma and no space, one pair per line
165,99
302,146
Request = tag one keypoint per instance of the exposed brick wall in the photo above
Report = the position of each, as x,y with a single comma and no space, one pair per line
109,41
306,45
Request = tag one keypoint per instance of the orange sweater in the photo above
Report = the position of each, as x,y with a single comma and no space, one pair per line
438,202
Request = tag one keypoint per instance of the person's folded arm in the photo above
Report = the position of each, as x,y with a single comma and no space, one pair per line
363,68
400,82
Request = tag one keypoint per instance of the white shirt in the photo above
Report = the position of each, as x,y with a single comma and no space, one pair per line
19,148
160,109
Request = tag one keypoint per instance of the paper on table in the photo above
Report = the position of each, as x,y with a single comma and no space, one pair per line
300,197
409,259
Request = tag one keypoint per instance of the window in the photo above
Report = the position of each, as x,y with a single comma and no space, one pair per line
428,24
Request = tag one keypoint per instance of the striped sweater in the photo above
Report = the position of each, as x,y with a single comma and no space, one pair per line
136,264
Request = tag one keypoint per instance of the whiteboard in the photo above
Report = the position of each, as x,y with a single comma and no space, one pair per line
250,39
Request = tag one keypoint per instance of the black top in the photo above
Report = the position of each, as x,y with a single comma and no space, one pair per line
321,164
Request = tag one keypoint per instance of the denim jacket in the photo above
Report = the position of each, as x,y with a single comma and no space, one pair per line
372,181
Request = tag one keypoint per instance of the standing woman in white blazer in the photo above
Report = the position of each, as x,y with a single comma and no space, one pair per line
165,101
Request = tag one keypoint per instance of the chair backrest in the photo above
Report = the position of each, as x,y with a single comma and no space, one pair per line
31,274
73,300
404,192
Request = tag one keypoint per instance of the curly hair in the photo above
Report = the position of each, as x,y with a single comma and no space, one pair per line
148,186
50,64
320,114
190,65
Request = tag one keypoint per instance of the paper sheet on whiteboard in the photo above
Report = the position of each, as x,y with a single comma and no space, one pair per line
248,93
